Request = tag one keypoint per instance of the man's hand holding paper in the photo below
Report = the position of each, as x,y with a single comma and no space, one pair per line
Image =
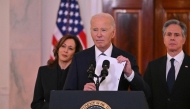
114,72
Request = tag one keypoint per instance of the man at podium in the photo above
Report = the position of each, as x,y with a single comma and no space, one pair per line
103,30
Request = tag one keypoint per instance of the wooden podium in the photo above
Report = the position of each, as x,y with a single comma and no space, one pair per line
98,100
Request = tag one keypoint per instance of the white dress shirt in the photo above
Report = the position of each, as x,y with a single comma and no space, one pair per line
177,63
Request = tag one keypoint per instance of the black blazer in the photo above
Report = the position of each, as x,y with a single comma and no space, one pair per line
78,77
155,76
47,80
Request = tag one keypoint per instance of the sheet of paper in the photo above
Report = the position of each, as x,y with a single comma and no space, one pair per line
114,73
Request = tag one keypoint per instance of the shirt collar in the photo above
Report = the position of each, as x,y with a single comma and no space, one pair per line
107,52
179,57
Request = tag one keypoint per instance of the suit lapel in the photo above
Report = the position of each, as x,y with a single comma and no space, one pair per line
163,73
115,52
182,72
91,54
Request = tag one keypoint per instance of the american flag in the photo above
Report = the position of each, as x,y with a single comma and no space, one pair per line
68,22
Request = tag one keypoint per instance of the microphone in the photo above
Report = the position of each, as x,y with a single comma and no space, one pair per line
104,72
91,70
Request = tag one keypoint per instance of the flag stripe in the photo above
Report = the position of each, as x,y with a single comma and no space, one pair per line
83,38
54,40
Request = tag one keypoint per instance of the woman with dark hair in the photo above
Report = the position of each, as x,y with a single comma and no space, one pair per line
53,75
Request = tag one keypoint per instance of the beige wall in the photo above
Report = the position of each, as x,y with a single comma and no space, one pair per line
26,28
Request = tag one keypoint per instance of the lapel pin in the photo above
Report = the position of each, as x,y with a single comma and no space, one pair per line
186,66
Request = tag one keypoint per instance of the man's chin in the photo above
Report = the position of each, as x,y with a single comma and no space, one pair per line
99,46
172,50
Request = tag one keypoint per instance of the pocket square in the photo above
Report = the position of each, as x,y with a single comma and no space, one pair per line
186,66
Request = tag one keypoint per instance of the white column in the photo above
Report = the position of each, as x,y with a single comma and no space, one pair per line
5,52
25,50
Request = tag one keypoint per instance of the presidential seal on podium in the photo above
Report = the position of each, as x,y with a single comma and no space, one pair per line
95,104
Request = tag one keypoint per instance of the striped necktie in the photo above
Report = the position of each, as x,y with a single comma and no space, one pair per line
103,54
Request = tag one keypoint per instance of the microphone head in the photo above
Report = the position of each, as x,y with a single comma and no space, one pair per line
106,63
90,71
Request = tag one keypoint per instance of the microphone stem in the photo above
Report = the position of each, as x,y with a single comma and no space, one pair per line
97,84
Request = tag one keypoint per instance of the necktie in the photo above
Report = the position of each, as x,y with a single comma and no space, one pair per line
171,76
103,54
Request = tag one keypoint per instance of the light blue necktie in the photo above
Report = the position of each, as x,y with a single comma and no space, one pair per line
103,54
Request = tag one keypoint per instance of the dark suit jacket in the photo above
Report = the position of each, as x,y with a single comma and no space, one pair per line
155,76
47,80
78,77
